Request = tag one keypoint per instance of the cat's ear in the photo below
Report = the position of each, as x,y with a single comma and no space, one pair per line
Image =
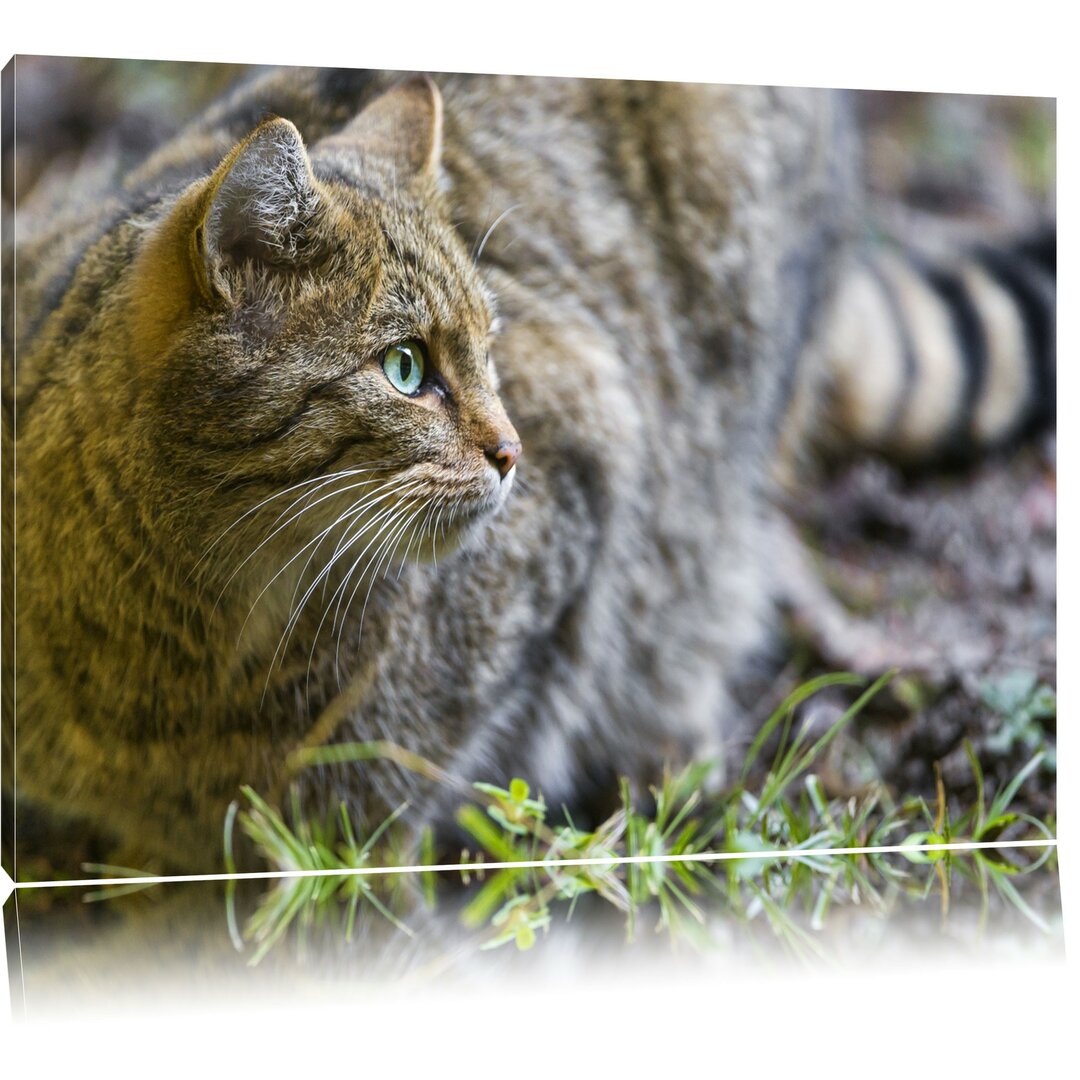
259,206
400,132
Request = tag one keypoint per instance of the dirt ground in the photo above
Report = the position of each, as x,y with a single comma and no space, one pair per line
952,579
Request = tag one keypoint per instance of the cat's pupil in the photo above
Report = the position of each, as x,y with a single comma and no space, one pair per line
406,366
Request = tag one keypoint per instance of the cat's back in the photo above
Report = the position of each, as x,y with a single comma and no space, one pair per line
684,166
697,225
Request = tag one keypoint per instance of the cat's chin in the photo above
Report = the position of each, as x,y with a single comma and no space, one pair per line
462,534
442,547
464,529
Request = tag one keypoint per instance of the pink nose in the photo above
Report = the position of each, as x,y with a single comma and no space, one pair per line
504,456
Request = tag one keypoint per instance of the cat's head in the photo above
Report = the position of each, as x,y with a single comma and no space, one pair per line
316,335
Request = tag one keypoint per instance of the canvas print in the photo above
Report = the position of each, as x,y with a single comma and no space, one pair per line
427,469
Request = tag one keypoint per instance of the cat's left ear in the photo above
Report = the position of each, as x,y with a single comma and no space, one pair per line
259,206
400,131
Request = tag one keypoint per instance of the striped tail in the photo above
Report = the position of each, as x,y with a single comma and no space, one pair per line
931,362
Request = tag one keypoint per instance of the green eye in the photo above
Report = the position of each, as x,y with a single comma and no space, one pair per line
404,366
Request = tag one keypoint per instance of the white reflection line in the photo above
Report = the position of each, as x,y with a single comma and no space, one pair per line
476,867
22,966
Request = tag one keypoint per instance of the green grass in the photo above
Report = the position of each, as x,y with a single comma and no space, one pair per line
785,811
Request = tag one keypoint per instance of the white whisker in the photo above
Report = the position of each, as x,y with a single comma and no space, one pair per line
341,611
491,229
296,612
285,524
321,480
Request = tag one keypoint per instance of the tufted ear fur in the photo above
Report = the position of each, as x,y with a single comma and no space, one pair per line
400,132
259,207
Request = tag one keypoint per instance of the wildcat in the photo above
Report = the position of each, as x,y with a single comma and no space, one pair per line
310,452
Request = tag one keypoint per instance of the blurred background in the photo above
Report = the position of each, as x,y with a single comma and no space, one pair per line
965,156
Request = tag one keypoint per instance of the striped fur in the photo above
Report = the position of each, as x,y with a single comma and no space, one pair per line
928,361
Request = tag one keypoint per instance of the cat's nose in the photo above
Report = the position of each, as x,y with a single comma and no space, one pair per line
504,455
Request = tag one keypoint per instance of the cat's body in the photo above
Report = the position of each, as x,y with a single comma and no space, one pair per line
665,266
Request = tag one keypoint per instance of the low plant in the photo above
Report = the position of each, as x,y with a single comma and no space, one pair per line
752,851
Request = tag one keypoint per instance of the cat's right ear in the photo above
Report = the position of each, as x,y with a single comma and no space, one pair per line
258,208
